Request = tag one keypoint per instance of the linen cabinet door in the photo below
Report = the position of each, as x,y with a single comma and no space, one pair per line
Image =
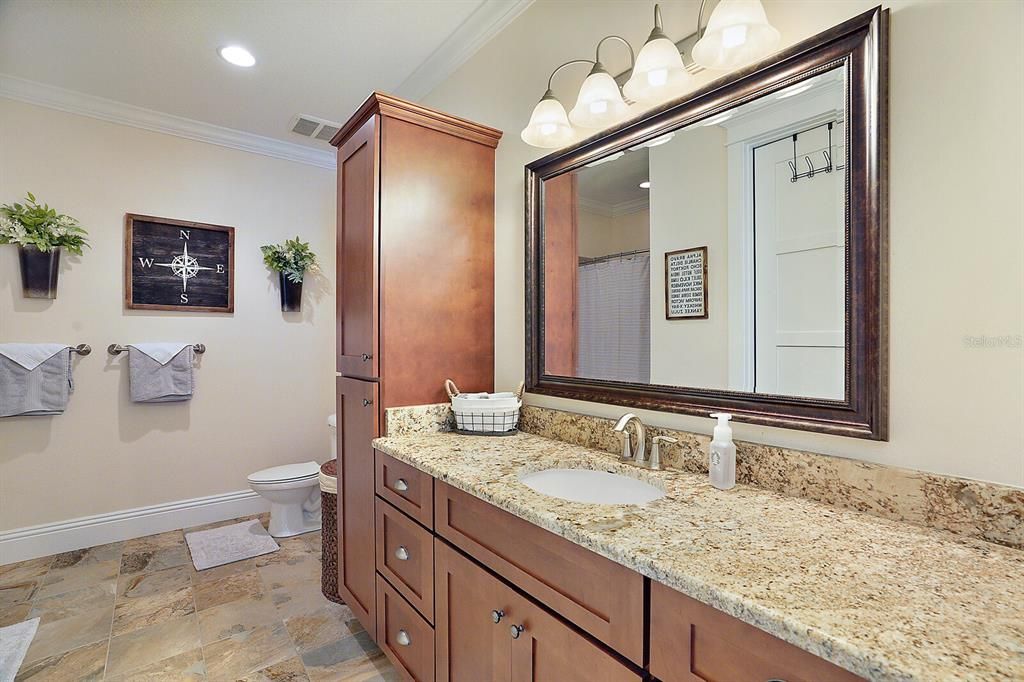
544,649
357,257
471,610
358,426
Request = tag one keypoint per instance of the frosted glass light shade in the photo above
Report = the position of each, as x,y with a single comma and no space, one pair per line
658,74
548,127
599,103
738,33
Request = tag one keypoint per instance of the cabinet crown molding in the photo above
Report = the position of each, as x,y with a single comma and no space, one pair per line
395,107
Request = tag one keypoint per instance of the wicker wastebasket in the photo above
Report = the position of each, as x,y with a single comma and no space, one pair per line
329,530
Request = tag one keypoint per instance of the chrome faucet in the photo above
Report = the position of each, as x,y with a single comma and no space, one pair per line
622,428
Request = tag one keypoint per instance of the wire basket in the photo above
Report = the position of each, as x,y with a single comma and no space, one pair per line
493,414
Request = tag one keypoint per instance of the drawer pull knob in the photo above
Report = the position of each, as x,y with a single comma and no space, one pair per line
402,554
517,630
366,356
403,638
367,402
497,615
401,485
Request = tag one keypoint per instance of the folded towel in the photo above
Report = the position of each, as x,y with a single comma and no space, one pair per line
161,352
153,381
35,379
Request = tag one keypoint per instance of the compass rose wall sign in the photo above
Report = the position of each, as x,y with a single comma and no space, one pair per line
178,265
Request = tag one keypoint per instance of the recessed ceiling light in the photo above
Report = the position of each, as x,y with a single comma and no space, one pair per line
646,184
237,55
795,90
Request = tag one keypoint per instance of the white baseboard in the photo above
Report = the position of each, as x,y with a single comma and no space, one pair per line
20,544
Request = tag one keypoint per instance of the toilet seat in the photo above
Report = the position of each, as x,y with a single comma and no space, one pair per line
287,473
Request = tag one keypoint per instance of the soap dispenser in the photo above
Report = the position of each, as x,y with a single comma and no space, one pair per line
722,455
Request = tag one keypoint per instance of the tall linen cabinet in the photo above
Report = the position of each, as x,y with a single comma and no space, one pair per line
415,301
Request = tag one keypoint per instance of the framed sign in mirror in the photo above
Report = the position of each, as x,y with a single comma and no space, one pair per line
178,265
726,251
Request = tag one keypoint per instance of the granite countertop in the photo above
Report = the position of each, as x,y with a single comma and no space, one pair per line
883,599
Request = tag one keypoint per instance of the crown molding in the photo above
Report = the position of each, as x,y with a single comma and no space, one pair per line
614,210
73,102
484,23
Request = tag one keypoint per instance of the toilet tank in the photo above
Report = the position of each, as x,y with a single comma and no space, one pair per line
332,423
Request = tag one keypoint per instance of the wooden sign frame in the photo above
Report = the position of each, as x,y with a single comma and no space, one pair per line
184,228
704,274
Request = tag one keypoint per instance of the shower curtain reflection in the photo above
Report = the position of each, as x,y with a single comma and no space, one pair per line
614,324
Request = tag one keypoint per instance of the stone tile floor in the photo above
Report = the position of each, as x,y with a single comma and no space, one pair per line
138,610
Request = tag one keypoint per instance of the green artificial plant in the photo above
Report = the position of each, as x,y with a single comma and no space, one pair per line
293,258
32,224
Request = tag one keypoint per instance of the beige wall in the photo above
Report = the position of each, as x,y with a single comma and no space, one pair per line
690,208
599,234
957,218
265,386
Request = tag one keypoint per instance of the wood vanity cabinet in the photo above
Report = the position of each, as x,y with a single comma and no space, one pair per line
415,303
502,600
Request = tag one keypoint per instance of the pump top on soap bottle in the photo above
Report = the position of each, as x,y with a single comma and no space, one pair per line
722,454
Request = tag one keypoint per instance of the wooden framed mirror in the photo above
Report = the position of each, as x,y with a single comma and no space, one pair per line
726,251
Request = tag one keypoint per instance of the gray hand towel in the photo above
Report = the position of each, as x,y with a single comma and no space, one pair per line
35,379
152,381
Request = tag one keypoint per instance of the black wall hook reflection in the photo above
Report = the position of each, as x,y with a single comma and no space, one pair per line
811,170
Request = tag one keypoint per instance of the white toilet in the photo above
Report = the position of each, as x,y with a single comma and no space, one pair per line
294,493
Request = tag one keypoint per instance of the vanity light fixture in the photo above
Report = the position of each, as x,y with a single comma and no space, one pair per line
605,159
715,120
549,126
599,103
237,55
656,142
737,34
795,90
658,74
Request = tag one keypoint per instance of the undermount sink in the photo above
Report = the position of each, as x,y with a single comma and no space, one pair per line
595,487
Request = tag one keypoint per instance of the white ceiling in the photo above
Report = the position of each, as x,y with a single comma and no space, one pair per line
314,57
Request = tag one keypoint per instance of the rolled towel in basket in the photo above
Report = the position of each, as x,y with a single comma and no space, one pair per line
160,372
35,379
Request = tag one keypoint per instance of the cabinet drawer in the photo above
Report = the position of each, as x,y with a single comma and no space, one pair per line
597,594
406,487
693,642
405,556
404,636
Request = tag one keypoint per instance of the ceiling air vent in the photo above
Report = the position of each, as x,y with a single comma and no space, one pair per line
317,128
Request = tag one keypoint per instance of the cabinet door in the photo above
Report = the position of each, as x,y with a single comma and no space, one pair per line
357,319
693,642
544,648
471,646
357,427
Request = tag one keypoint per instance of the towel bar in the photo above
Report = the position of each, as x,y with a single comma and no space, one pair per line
82,349
116,348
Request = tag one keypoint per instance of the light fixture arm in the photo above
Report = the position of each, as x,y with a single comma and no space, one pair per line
700,20
562,66
597,57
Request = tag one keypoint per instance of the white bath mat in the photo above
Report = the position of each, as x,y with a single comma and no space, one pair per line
228,544
14,642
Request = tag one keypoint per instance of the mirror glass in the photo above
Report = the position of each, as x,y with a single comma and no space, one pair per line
710,257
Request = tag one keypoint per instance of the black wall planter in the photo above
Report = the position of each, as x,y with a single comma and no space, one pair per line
39,271
291,295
